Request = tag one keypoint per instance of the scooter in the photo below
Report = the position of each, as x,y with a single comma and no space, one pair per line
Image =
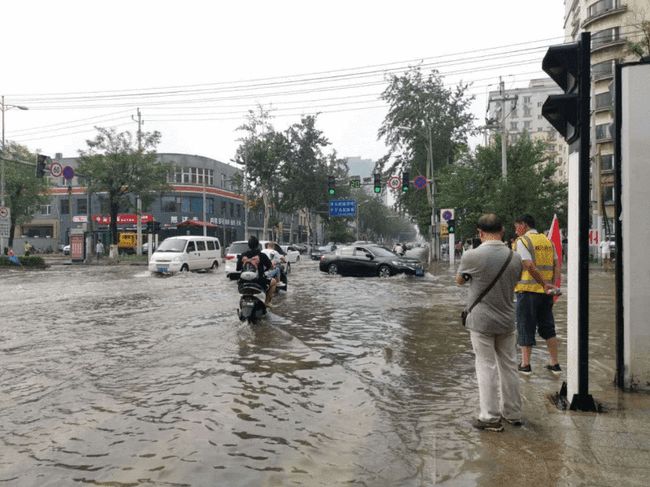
252,302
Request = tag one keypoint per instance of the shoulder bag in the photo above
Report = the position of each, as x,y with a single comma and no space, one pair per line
467,311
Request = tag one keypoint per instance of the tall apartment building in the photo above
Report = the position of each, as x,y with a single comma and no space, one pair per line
523,114
612,24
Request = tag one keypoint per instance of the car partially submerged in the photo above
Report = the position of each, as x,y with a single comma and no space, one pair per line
369,260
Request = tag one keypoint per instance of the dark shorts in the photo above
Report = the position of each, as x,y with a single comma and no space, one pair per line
534,312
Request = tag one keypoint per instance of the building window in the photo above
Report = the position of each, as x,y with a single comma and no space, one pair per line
526,100
170,204
603,100
65,207
604,37
45,210
607,162
527,112
602,70
514,126
82,207
608,194
601,6
209,206
527,125
223,208
196,205
602,131
185,204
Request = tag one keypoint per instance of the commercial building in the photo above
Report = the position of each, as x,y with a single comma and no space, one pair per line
194,181
613,24
518,111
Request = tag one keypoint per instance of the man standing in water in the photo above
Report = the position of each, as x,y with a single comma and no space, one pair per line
492,266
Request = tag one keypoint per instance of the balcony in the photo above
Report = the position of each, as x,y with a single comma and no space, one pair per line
602,70
606,38
601,9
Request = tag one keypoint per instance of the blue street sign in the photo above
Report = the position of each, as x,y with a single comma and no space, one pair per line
343,208
420,182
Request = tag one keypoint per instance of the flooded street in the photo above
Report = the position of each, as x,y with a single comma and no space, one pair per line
110,376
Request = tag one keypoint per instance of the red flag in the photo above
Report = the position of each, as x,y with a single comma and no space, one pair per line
556,239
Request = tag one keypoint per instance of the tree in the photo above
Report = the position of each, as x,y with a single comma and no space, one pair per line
262,152
23,190
426,122
114,164
477,187
640,47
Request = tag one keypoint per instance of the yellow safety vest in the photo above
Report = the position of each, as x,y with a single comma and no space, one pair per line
541,250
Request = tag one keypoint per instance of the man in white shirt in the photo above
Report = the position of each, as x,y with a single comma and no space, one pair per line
605,254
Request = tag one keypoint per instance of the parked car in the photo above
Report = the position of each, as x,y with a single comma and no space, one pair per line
185,253
318,252
235,249
66,249
368,260
145,247
292,253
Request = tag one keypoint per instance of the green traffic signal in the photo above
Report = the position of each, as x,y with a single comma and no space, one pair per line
331,191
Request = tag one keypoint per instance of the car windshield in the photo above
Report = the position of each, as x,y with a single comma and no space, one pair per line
172,245
238,247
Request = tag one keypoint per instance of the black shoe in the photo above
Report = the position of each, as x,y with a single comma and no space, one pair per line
526,370
513,422
488,425
556,369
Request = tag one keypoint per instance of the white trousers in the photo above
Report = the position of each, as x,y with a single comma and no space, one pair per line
497,375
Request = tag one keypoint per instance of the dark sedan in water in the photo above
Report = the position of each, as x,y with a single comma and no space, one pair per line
368,260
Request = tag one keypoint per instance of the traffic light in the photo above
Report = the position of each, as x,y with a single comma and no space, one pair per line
405,182
41,165
451,226
377,183
569,66
331,185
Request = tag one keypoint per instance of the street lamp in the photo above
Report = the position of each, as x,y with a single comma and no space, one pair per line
4,107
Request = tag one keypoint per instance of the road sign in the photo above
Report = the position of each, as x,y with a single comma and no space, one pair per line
420,182
394,182
594,236
5,221
68,172
444,229
55,169
343,208
446,214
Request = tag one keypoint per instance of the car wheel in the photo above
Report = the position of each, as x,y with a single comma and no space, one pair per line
215,265
184,268
384,271
332,269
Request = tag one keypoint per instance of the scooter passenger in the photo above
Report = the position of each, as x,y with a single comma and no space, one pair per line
274,274
263,264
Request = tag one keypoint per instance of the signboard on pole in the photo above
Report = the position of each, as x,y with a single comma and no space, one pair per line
343,208
446,214
5,221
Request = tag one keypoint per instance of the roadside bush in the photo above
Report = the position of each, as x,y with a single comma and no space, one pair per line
34,262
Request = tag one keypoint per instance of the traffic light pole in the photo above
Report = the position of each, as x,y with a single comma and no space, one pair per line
583,401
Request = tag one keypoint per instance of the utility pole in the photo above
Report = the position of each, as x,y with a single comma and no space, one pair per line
138,224
503,98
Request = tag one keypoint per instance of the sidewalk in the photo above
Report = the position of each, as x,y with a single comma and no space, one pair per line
564,447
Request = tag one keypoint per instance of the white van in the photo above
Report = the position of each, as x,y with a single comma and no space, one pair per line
185,253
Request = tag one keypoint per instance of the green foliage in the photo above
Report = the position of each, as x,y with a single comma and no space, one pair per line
23,190
117,164
33,262
476,187
377,221
426,122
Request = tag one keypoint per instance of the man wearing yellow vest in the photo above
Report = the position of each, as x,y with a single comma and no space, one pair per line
534,293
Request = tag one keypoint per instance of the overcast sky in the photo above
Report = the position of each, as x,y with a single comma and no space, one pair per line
189,65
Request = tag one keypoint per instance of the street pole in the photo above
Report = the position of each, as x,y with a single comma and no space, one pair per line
433,252
138,224
245,200
205,228
504,133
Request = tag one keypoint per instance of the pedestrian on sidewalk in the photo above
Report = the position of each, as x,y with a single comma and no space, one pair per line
99,249
535,293
492,270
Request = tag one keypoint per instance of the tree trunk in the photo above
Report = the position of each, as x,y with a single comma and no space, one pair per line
115,208
12,228
267,214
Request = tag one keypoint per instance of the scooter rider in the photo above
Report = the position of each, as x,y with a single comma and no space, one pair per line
263,264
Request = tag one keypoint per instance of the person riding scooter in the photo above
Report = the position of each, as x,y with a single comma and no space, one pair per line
277,260
263,264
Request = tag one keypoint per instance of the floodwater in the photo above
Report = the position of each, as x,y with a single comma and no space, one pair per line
110,376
